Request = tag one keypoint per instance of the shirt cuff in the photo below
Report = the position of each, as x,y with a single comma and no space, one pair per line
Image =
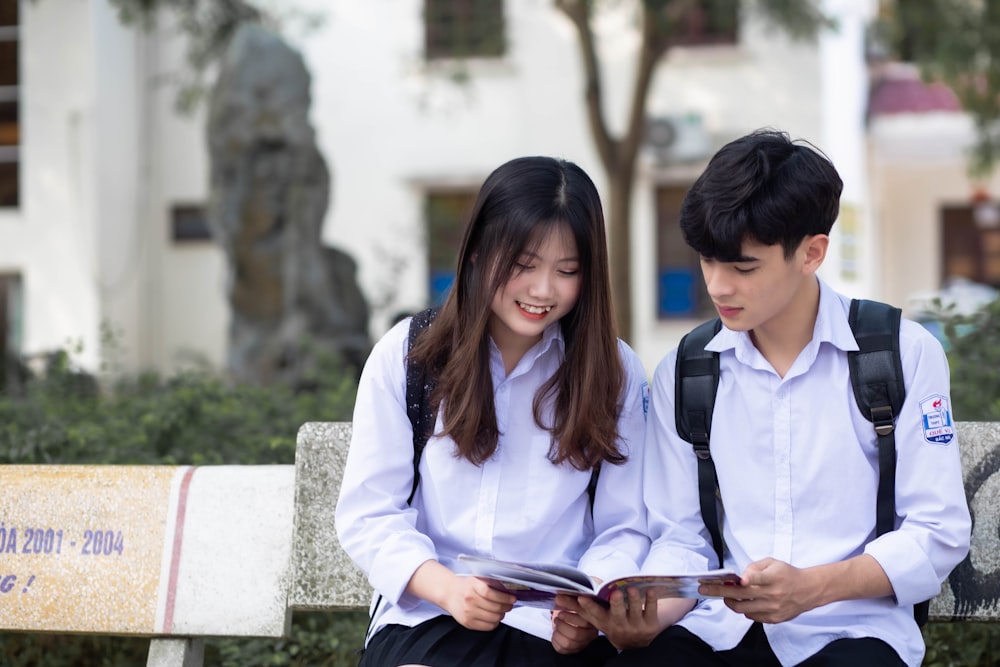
910,572
395,564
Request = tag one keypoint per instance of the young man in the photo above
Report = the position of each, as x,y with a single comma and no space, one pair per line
797,463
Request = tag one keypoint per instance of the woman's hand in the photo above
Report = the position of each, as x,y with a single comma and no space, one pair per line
475,604
470,600
571,633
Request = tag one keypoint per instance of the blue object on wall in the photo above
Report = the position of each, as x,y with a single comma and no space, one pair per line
676,292
440,284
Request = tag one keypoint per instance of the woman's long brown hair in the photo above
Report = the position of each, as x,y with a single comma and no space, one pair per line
520,202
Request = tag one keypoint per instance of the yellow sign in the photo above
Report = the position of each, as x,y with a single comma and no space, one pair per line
82,547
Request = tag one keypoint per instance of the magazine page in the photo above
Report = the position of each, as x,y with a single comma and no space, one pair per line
543,577
670,586
537,584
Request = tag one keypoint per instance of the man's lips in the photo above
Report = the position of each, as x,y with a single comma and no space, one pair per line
727,311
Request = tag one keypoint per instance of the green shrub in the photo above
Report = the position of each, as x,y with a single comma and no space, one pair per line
974,357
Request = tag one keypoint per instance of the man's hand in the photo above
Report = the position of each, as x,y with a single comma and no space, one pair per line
770,591
630,621
571,633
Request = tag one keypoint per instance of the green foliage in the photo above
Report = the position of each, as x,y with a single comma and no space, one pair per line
961,644
958,42
974,357
193,418
317,640
208,26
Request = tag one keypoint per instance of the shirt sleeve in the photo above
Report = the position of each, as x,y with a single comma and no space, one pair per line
620,542
680,541
932,515
375,524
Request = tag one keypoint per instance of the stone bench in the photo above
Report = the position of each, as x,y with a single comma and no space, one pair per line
179,554
331,581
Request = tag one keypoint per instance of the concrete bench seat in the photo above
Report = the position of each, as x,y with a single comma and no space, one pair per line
972,593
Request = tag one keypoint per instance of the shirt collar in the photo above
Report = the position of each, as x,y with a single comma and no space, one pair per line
831,327
552,338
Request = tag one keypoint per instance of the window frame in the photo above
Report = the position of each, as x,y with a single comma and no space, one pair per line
10,97
444,233
678,266
470,34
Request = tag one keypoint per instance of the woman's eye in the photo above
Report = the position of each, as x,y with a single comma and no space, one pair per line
569,272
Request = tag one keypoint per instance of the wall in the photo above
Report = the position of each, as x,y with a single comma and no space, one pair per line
51,239
389,124
918,166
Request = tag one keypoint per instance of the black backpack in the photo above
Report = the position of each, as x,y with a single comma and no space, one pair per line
876,378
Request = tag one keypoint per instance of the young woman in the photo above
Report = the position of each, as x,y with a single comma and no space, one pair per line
533,391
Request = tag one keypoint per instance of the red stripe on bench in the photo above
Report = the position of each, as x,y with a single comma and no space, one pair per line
175,558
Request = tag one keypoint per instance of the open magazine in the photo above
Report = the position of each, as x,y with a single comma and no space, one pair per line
538,584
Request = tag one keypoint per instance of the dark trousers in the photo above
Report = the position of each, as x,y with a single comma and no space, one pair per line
678,647
442,642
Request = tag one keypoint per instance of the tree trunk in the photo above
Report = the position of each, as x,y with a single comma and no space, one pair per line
619,209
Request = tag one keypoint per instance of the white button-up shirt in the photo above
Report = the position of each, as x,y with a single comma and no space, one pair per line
516,506
798,473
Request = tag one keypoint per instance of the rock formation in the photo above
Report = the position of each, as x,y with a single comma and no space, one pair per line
292,299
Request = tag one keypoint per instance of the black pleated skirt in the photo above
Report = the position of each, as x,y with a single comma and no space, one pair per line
443,642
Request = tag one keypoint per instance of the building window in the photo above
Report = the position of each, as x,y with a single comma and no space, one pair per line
680,290
463,29
446,212
188,223
11,327
10,126
970,251
709,22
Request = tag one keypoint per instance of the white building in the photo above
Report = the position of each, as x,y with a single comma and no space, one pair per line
111,177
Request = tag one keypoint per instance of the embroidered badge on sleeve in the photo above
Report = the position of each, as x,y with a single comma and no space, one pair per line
935,413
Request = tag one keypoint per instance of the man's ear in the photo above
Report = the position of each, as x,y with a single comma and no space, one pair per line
814,251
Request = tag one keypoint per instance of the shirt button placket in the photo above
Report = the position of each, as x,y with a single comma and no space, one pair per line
783,518
489,486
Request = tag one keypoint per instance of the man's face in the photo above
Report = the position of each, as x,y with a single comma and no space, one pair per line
763,288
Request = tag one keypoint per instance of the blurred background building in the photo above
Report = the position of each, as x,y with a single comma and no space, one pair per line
104,185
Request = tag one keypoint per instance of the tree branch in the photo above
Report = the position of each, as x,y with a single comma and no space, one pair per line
579,13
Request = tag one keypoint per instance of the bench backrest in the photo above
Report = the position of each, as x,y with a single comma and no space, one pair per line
156,551
326,579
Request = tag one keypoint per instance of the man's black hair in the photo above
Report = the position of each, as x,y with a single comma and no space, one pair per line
762,187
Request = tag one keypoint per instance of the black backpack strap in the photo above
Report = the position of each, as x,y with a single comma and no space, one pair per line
696,380
595,473
877,380
419,387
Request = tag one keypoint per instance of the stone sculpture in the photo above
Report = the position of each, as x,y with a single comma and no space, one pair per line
292,298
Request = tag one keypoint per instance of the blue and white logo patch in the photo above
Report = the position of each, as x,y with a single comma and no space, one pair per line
645,398
935,411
